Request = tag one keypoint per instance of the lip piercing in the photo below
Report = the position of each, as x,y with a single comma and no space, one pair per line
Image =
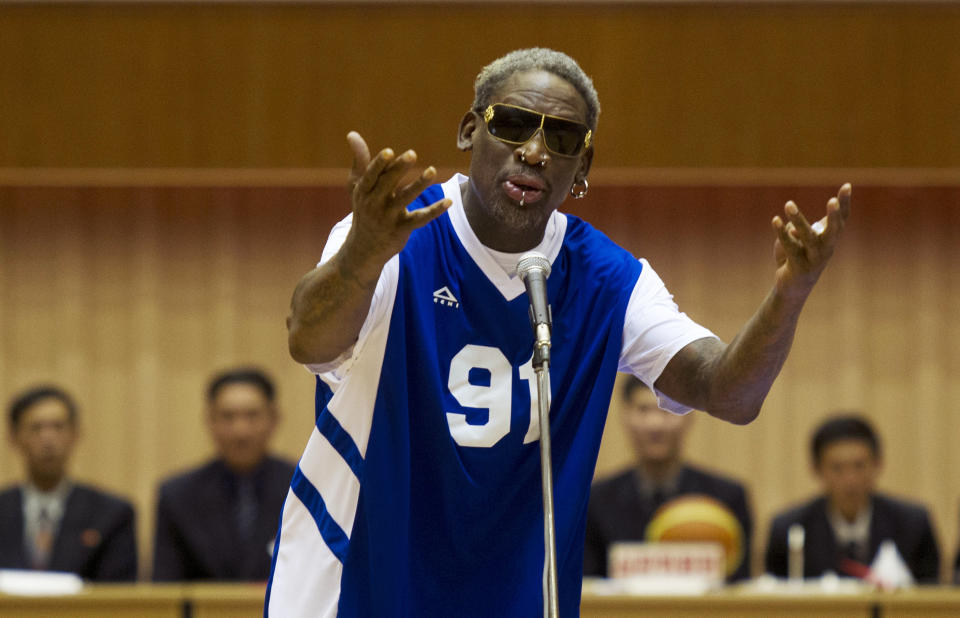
523,196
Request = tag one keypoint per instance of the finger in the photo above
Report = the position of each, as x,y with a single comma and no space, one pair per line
799,227
406,194
792,233
838,209
423,216
779,254
820,224
833,222
788,244
844,196
361,154
393,173
371,174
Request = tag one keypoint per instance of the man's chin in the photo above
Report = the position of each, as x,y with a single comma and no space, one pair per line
531,217
852,505
657,459
243,464
49,475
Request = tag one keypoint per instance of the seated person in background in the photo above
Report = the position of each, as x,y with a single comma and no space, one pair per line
844,527
50,522
218,521
621,507
956,569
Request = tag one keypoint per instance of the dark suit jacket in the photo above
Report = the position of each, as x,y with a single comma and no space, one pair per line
196,536
96,539
618,512
956,569
906,524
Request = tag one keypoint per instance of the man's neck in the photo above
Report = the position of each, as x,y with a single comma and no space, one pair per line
46,484
659,472
849,513
243,471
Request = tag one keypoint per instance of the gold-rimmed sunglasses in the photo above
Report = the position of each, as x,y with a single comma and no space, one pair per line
517,125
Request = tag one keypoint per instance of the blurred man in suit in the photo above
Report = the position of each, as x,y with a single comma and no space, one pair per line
956,569
218,521
50,522
844,527
621,507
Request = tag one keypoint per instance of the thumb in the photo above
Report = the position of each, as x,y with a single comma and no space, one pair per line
361,156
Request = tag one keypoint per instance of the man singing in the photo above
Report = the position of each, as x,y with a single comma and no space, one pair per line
419,492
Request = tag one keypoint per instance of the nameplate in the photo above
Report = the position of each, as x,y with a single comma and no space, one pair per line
699,560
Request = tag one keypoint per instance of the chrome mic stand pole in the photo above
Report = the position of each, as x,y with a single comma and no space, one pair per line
534,268
541,355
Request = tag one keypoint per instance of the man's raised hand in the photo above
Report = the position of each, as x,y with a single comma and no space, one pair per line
802,250
379,196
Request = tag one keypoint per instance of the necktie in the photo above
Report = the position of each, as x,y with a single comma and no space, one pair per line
42,540
852,551
246,512
657,498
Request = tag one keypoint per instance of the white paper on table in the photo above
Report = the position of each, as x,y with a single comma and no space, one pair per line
39,583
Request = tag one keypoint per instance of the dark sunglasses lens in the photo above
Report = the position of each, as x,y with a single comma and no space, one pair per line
564,137
513,125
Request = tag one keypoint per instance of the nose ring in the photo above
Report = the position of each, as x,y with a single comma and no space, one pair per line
523,158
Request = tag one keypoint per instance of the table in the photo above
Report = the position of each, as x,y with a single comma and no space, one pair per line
100,601
246,601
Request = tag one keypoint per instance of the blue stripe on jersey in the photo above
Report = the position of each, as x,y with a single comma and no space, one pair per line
333,535
331,429
273,563
322,397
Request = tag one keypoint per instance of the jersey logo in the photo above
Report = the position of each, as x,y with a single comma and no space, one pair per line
445,297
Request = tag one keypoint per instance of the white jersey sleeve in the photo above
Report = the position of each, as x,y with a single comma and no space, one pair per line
334,371
654,331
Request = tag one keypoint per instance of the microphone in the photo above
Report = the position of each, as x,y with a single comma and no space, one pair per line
534,268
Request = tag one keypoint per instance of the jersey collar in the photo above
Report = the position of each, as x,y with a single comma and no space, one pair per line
488,260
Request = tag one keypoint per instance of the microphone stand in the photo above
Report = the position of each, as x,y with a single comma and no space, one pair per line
534,268
541,365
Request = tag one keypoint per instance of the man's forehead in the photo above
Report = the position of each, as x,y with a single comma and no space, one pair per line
543,91
846,449
47,409
239,391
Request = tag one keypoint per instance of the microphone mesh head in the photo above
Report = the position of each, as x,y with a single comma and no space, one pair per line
533,260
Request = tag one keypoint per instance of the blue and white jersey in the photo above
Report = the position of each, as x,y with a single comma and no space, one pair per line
419,491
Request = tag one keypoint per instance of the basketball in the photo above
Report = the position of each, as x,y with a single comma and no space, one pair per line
701,519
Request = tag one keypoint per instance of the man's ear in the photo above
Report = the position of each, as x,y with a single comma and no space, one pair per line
815,470
585,161
468,125
12,438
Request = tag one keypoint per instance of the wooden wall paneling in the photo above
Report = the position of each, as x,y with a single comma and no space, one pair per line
280,84
132,296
